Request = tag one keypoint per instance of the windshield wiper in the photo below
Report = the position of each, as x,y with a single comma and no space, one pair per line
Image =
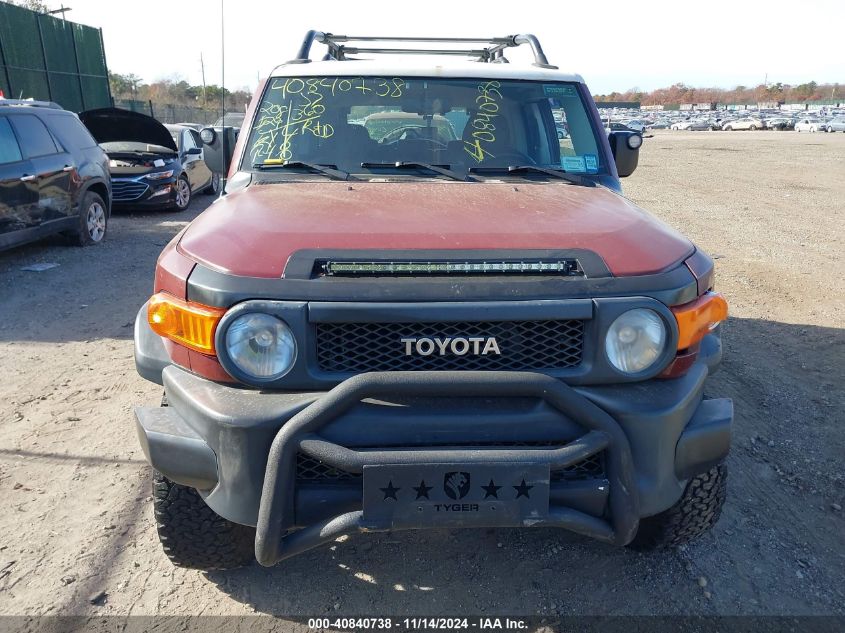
329,170
575,179
443,170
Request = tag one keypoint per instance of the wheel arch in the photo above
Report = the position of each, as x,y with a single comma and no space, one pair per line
101,189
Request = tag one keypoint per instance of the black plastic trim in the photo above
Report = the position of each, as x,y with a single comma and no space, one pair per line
301,264
216,288
597,314
239,425
177,451
706,439
343,312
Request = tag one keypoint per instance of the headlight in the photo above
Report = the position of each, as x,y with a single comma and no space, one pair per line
635,340
261,346
160,175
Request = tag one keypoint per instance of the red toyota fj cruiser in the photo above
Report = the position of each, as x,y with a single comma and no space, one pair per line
419,304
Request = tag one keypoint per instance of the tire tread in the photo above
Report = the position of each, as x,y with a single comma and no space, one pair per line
193,535
698,510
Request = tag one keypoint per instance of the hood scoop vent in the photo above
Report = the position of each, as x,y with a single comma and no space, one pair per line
557,268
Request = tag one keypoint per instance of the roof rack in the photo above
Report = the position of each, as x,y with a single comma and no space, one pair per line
32,103
493,52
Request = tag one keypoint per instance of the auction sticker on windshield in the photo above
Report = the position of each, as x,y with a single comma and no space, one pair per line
573,163
559,90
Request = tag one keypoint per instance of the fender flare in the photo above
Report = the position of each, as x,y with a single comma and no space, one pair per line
97,180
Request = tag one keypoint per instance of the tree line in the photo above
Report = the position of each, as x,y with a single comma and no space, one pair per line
681,93
176,92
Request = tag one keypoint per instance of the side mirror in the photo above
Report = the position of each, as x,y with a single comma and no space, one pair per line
625,147
219,146
207,135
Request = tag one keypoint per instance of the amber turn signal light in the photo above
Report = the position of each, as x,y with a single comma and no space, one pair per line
697,318
183,322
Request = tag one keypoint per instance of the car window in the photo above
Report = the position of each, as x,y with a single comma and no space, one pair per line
70,131
187,141
196,137
9,150
393,126
35,139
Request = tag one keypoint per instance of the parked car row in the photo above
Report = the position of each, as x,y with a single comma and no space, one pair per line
63,173
641,121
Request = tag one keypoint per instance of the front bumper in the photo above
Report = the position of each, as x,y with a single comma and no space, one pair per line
241,448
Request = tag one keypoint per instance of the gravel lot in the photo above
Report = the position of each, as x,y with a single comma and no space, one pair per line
77,520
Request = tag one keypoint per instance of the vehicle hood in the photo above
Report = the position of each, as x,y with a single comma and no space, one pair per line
252,232
108,125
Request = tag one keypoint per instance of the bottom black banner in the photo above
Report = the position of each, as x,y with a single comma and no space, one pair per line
485,623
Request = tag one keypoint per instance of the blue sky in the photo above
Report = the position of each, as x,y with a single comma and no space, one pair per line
614,45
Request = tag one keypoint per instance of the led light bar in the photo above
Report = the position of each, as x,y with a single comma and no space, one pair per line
559,267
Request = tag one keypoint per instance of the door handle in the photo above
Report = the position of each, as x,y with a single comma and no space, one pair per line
67,168
28,178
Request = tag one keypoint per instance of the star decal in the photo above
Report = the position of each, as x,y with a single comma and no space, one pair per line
491,489
390,491
522,490
422,490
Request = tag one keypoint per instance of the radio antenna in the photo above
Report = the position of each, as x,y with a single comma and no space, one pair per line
223,91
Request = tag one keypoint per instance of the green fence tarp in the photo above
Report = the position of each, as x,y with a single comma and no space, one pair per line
50,59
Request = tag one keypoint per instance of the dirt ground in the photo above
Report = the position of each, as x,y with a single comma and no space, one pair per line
77,519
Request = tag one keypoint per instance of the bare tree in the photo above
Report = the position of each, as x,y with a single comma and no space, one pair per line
33,5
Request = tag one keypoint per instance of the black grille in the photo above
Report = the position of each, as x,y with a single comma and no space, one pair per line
310,469
127,190
313,470
590,468
524,345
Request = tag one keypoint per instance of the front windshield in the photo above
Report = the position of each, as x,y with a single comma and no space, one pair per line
365,125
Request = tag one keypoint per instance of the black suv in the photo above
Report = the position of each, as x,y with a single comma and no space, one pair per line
53,176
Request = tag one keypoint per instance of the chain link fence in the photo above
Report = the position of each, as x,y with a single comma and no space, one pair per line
170,113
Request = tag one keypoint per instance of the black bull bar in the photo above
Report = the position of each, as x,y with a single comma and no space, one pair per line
301,434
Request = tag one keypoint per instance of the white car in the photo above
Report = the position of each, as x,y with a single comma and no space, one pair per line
808,125
744,124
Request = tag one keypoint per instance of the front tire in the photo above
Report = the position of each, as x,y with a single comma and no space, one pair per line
183,194
93,220
193,535
696,511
